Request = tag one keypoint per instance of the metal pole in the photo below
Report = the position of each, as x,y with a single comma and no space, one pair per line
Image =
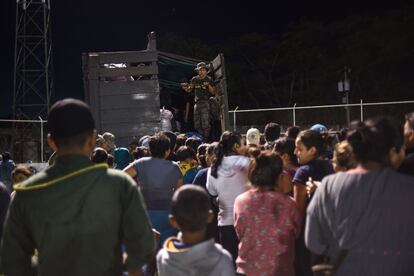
234,118
294,114
346,89
41,139
362,111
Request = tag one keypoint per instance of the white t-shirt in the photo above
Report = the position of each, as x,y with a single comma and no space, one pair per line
231,181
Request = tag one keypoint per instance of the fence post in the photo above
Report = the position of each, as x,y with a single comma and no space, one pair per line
362,111
234,118
294,114
41,139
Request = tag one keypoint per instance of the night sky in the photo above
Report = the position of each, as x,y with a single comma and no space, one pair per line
91,25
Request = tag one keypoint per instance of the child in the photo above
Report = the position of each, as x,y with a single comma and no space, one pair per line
201,180
193,142
99,155
190,253
187,163
21,173
252,151
202,156
266,221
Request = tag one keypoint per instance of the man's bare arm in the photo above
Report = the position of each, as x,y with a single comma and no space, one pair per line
211,88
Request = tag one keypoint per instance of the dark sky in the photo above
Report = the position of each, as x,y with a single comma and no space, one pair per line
100,25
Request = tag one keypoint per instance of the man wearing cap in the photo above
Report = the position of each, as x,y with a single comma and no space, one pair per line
319,128
77,215
253,137
202,85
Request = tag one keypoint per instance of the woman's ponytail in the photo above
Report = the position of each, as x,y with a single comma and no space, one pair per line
219,154
225,147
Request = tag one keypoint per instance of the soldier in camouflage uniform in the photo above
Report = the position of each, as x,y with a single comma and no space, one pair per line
202,85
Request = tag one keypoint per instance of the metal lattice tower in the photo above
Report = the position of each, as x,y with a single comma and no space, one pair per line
33,82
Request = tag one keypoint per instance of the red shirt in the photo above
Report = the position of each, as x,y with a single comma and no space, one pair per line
267,224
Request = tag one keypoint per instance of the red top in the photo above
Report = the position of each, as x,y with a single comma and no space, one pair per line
267,224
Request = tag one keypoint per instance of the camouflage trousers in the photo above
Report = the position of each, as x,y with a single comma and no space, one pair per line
202,118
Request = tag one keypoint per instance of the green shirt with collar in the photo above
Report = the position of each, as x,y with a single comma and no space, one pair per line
77,215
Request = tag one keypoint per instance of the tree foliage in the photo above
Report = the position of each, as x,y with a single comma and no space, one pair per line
304,64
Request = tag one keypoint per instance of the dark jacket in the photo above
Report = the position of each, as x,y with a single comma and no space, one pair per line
77,215
407,166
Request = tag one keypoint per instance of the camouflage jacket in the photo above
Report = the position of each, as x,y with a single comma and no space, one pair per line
200,90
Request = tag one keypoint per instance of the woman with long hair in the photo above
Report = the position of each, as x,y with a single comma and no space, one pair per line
226,179
310,150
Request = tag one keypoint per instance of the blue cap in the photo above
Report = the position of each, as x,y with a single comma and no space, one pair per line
194,133
319,128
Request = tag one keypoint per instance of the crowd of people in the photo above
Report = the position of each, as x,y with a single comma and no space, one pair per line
302,202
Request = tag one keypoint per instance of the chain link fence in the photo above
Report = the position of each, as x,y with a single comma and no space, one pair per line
333,117
26,139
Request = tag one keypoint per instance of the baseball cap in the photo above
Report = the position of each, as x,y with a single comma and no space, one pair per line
319,128
253,136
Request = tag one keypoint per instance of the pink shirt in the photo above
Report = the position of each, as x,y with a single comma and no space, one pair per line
267,224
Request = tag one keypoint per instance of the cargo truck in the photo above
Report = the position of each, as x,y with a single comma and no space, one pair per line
128,90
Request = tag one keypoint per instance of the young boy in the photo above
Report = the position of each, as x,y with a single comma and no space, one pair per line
189,253
187,163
